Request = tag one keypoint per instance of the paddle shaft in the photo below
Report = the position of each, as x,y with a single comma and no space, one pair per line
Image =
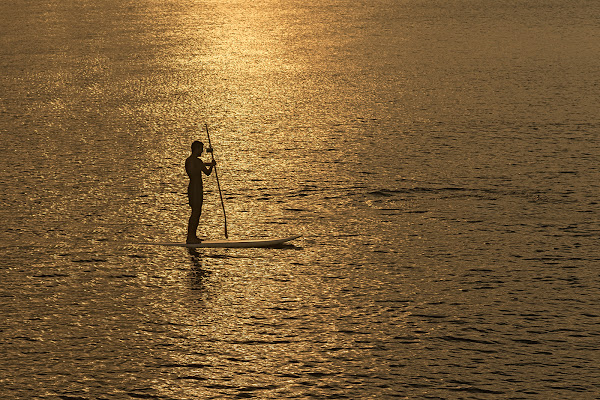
218,184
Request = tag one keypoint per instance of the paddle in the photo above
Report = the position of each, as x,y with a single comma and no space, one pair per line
217,176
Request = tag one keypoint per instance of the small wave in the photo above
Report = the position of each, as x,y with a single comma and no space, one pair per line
185,365
472,389
57,275
193,378
465,339
89,260
143,396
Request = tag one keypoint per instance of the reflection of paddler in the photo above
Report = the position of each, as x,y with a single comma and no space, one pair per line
195,167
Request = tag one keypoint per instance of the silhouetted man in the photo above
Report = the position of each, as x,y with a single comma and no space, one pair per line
195,167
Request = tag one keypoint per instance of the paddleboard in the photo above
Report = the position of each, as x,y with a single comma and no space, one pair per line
247,243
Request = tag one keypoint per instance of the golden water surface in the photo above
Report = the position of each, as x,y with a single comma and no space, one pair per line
440,159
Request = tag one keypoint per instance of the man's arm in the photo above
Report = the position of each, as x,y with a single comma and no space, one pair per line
210,165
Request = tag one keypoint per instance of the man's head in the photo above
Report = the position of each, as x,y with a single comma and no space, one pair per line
197,147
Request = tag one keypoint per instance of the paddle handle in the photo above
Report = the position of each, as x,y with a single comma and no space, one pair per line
218,184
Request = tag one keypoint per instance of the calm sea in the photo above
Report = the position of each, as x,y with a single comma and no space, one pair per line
439,157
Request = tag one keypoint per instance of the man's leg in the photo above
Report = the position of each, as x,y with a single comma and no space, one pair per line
193,225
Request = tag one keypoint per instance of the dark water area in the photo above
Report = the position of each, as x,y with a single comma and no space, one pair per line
439,158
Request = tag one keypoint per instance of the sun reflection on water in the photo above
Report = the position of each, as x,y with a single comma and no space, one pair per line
366,126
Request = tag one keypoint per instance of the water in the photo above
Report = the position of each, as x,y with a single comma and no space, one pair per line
440,159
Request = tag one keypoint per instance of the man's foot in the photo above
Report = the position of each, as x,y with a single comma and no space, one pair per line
193,240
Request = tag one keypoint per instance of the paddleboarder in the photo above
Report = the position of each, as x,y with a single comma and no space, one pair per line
195,167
